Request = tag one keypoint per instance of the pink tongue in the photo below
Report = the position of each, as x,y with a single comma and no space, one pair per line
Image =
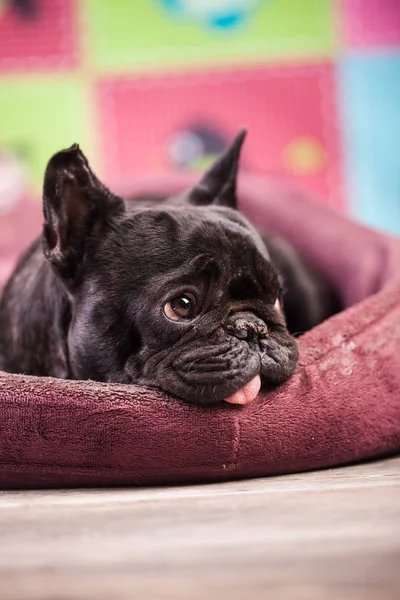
247,393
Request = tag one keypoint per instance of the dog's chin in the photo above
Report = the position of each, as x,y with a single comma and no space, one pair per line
233,391
233,387
207,371
205,374
236,381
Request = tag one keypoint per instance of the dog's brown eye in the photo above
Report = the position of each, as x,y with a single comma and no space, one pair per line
181,308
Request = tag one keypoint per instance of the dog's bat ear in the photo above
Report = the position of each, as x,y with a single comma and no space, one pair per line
76,206
218,185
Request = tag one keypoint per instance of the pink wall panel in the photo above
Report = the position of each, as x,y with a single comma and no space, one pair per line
44,40
369,23
290,114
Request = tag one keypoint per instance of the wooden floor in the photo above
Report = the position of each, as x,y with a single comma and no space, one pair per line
324,535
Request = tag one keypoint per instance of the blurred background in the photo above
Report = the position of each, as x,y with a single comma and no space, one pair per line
151,86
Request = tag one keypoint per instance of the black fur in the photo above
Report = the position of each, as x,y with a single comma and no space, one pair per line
87,300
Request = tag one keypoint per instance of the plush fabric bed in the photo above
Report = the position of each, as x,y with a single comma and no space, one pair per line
342,405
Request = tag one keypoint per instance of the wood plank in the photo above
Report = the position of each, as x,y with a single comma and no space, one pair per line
326,534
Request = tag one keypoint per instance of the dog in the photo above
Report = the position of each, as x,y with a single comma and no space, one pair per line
181,294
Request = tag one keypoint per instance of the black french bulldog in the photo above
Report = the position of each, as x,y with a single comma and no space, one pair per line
179,294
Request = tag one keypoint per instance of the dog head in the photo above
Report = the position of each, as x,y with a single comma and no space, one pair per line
180,295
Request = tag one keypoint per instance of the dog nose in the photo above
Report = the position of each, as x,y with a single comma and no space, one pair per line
246,326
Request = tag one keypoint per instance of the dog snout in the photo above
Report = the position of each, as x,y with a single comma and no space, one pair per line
246,326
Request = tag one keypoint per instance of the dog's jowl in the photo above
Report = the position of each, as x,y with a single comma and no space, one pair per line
182,294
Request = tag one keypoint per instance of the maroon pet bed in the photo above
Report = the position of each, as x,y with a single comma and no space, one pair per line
342,405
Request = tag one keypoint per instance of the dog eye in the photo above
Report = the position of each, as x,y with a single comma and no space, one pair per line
181,308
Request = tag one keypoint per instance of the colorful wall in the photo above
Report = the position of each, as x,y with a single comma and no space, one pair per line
146,86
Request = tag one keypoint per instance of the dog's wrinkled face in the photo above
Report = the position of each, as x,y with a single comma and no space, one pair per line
180,296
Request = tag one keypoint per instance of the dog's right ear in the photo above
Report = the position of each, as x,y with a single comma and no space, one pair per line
76,206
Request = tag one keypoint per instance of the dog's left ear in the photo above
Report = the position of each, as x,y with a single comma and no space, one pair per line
77,208
218,185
